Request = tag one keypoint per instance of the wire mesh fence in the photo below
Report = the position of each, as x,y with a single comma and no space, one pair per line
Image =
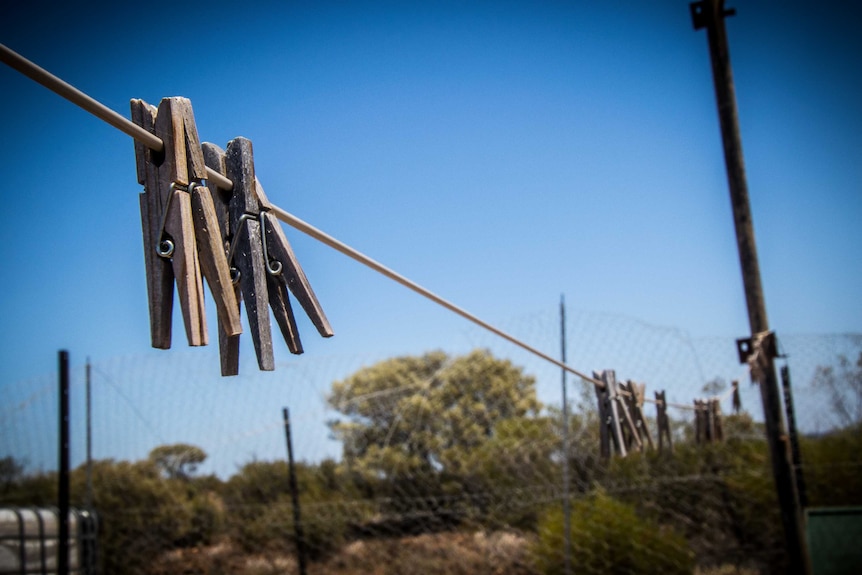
438,461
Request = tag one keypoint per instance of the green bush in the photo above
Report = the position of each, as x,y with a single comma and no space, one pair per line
260,512
608,537
141,515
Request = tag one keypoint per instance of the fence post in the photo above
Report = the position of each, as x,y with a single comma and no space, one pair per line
294,495
794,436
567,512
89,495
63,472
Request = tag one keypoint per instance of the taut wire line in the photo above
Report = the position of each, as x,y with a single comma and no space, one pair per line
72,94
343,248
82,100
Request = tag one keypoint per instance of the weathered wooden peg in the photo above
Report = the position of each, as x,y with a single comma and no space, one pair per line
228,344
264,266
609,420
631,434
292,274
737,400
662,422
635,400
211,252
167,222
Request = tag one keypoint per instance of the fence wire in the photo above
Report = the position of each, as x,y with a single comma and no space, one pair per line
409,477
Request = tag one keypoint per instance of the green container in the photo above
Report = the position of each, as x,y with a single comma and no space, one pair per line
835,540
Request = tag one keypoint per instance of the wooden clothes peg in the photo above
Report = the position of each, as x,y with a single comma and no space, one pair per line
635,402
603,398
160,274
662,421
737,400
698,426
211,252
292,274
262,259
609,404
177,215
247,252
627,402
228,344
701,421
715,417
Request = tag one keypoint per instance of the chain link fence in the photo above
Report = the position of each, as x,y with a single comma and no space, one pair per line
398,472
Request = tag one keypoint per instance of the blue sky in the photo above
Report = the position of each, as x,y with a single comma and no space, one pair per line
499,153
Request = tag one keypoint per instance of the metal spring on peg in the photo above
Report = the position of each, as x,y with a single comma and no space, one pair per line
273,267
165,246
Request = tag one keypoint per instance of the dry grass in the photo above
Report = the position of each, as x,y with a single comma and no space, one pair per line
725,570
453,553
432,554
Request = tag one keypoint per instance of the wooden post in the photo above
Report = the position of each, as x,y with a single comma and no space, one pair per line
294,495
710,14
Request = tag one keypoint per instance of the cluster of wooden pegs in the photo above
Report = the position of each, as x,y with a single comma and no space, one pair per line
623,425
621,416
194,231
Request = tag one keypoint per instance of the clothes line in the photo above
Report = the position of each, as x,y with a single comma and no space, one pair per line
96,108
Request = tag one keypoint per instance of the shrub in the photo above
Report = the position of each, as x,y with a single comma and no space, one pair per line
609,537
141,515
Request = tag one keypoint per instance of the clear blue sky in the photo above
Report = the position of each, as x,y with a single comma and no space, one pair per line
499,153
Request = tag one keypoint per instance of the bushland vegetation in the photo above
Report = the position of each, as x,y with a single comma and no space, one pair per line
452,465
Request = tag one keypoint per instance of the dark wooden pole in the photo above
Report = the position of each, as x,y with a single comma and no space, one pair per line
294,495
710,14
63,485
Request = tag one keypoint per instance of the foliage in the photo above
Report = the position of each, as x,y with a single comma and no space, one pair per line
609,537
832,468
844,385
11,471
445,460
412,416
21,490
141,514
521,451
261,514
179,460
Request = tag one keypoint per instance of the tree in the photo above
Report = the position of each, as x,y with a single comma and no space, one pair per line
412,416
261,509
178,461
141,515
11,471
844,385
26,490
